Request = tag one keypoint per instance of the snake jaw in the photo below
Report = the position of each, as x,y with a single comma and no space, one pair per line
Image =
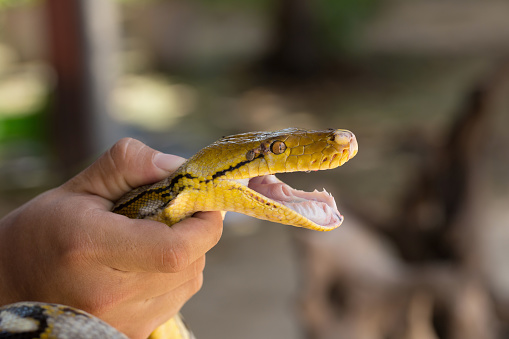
317,208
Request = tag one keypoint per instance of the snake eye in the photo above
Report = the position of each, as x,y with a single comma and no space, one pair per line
277,147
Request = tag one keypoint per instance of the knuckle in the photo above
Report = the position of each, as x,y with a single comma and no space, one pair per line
174,259
124,149
122,157
123,145
128,154
119,149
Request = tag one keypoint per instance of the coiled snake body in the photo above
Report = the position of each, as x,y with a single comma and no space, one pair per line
235,173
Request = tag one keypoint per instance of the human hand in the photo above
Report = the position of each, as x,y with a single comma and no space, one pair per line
66,247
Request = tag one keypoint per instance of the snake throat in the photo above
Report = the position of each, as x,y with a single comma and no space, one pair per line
318,207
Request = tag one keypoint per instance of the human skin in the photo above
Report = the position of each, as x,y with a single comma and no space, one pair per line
66,247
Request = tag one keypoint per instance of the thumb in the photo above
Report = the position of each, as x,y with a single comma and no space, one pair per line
125,166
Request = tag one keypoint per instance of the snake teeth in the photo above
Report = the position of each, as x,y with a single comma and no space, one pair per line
318,207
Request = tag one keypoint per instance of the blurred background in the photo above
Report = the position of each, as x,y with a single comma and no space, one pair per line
423,84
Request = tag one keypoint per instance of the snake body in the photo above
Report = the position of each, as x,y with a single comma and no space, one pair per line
235,173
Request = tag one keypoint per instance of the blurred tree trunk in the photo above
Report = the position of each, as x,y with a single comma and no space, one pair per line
71,130
295,49
82,39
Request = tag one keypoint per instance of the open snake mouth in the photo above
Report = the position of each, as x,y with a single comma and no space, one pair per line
318,207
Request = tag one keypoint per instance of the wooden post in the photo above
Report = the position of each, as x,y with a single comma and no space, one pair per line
83,40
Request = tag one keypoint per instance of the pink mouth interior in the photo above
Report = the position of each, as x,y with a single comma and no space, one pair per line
318,207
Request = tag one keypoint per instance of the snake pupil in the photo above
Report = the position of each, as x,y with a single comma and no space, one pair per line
278,147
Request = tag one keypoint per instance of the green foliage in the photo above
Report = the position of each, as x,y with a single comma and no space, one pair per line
13,3
256,5
29,127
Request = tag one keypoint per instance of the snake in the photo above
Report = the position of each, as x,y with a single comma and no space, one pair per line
235,173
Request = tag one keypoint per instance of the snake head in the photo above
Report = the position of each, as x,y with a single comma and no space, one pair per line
255,154
240,170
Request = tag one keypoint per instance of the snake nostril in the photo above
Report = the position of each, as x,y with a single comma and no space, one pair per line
346,138
343,137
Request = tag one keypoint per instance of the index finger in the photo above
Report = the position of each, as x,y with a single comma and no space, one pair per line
150,246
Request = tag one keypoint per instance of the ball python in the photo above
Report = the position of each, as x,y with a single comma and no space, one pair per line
236,173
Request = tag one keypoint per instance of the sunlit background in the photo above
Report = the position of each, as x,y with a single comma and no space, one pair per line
423,84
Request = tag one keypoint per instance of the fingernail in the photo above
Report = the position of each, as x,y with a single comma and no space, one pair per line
168,162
